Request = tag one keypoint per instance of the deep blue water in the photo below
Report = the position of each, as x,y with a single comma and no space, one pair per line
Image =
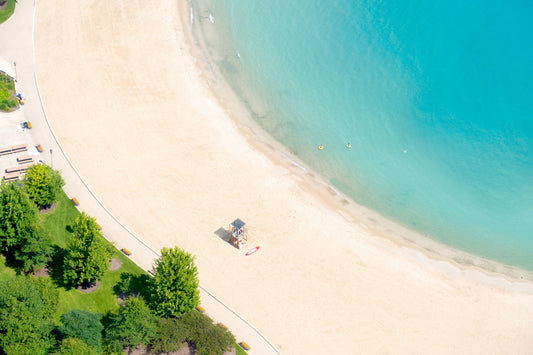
435,99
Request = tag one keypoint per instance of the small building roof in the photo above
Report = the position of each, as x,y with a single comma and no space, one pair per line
238,224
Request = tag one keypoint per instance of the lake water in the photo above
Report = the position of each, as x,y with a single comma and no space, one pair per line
433,98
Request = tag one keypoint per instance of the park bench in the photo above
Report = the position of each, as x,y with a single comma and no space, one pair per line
126,251
244,345
200,309
18,169
39,148
12,176
75,201
25,159
14,149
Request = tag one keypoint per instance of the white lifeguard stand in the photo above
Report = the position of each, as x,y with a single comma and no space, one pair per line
238,233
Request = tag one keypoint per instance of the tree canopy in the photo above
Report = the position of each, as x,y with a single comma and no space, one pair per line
170,335
209,338
43,184
175,285
21,236
87,256
83,325
135,324
25,323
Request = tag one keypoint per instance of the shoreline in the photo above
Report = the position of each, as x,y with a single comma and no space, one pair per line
115,136
352,211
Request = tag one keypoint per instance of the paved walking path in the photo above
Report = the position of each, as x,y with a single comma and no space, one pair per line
16,46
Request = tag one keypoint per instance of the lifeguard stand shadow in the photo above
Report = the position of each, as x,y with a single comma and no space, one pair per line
223,234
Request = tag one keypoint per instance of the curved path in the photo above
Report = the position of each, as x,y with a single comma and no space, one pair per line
16,38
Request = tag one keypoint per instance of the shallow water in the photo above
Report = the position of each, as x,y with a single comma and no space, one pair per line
433,98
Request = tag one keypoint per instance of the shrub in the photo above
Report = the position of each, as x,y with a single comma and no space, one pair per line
134,325
170,335
210,339
75,346
83,325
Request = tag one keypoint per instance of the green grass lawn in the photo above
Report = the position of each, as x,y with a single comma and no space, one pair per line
57,221
239,350
6,273
102,300
8,95
7,11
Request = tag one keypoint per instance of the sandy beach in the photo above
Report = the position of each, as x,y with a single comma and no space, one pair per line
135,113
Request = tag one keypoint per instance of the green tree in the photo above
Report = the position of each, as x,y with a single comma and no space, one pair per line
43,184
75,346
209,339
21,235
170,335
84,325
87,256
24,325
49,295
135,324
175,285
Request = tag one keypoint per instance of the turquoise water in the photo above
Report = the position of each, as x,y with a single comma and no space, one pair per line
434,98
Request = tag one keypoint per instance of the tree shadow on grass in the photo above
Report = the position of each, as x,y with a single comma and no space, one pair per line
12,263
57,266
69,229
107,319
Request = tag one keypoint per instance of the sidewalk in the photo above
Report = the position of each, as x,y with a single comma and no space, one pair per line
16,37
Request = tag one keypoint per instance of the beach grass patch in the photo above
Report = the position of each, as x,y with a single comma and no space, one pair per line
6,10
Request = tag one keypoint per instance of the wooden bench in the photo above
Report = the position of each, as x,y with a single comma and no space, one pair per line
19,148
14,149
25,159
12,176
19,168
200,309
75,201
244,345
222,325
126,251
27,124
99,227
39,148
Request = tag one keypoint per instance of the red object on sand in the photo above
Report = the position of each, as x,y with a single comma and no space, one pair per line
251,251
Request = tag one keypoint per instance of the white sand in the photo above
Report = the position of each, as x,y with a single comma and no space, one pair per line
130,106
